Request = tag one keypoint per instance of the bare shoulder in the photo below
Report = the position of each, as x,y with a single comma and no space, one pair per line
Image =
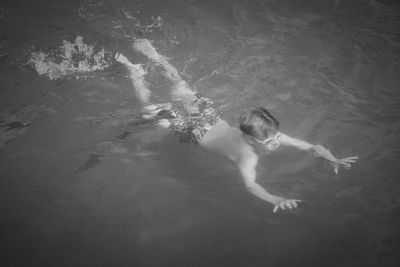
227,140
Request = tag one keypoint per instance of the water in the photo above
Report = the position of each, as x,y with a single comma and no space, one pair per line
81,185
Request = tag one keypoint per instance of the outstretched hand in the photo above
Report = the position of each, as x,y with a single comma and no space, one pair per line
283,203
346,162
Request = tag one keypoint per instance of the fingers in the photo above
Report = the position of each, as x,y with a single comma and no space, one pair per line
335,167
349,159
287,203
275,208
294,202
345,162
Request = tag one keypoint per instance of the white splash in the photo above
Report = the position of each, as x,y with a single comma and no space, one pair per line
76,57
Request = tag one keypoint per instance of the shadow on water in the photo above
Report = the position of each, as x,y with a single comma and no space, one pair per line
84,181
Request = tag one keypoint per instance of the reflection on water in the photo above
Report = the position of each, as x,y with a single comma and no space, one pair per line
85,182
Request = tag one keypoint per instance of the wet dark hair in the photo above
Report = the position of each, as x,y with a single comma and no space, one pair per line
258,123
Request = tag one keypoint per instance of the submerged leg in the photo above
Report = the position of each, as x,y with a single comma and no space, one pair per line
137,74
181,90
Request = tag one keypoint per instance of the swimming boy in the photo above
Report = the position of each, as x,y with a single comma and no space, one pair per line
196,120
259,129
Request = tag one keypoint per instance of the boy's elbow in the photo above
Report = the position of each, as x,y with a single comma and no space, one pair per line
250,185
295,142
308,147
302,145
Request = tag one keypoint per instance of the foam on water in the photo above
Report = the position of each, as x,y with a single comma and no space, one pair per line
69,58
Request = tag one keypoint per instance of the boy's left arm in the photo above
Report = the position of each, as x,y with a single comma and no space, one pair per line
318,151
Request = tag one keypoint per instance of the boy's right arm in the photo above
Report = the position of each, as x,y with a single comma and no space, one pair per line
229,142
247,165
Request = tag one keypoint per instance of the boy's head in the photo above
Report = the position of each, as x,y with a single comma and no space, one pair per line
259,123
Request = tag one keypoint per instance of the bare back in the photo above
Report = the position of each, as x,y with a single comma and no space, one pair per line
226,140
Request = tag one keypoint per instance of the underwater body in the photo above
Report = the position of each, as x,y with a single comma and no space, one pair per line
85,181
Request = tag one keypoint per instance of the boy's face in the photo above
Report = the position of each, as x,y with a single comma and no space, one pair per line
269,143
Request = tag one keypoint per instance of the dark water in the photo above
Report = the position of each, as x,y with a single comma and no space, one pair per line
84,183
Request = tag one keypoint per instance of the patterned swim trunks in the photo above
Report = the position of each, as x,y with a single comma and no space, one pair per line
189,124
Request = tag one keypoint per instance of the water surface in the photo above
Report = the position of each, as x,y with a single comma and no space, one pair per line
82,184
